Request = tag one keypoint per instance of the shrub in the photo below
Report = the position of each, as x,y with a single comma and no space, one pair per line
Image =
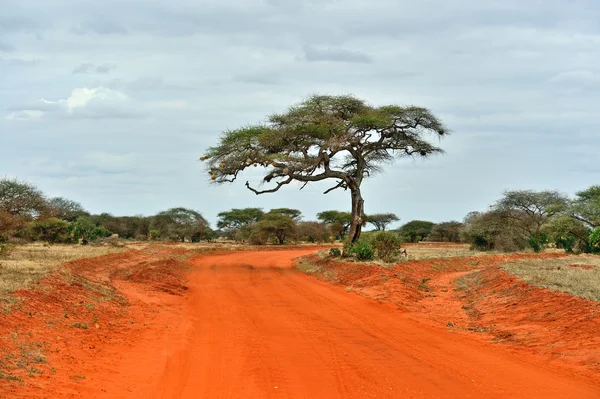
154,234
362,250
535,244
335,252
594,241
52,230
386,245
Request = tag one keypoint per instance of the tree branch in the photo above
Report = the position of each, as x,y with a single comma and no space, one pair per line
272,190
341,184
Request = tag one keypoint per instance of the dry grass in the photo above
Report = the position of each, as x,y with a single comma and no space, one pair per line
426,250
576,275
27,264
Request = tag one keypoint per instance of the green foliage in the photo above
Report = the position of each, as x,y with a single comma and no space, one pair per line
276,226
586,206
535,244
86,230
530,210
362,250
293,213
493,230
335,252
65,209
416,230
179,224
21,199
386,245
313,232
52,230
446,232
594,241
338,222
338,138
382,220
154,235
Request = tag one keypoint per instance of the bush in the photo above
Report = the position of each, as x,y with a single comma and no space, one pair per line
386,245
52,230
594,241
535,244
362,250
154,235
335,252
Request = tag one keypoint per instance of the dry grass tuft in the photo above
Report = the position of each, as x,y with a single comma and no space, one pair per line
28,264
575,275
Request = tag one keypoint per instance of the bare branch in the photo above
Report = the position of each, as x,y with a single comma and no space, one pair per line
272,190
341,184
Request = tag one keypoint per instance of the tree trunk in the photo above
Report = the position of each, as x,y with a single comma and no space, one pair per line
358,214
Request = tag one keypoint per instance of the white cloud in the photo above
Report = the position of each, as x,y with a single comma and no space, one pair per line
25,115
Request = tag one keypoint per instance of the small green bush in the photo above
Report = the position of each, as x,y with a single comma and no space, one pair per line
335,252
386,245
535,245
594,241
362,250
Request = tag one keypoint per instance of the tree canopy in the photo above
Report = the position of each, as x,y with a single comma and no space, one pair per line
21,199
416,230
236,218
339,138
66,209
586,206
382,220
338,221
530,210
293,213
179,224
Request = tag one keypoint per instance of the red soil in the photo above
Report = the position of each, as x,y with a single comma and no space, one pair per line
247,325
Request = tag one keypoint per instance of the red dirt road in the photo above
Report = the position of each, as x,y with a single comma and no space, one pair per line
253,327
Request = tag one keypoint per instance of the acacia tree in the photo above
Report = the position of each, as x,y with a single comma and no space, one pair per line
21,199
293,213
586,207
338,138
381,220
66,209
339,222
180,224
530,210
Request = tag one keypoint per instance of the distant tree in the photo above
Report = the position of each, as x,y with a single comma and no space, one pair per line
293,213
530,210
52,230
9,225
415,230
313,232
85,229
21,199
446,232
382,220
66,209
493,230
237,222
339,222
128,227
277,226
236,218
568,233
179,224
586,206
338,138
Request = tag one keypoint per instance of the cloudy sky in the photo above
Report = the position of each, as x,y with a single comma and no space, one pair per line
112,102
